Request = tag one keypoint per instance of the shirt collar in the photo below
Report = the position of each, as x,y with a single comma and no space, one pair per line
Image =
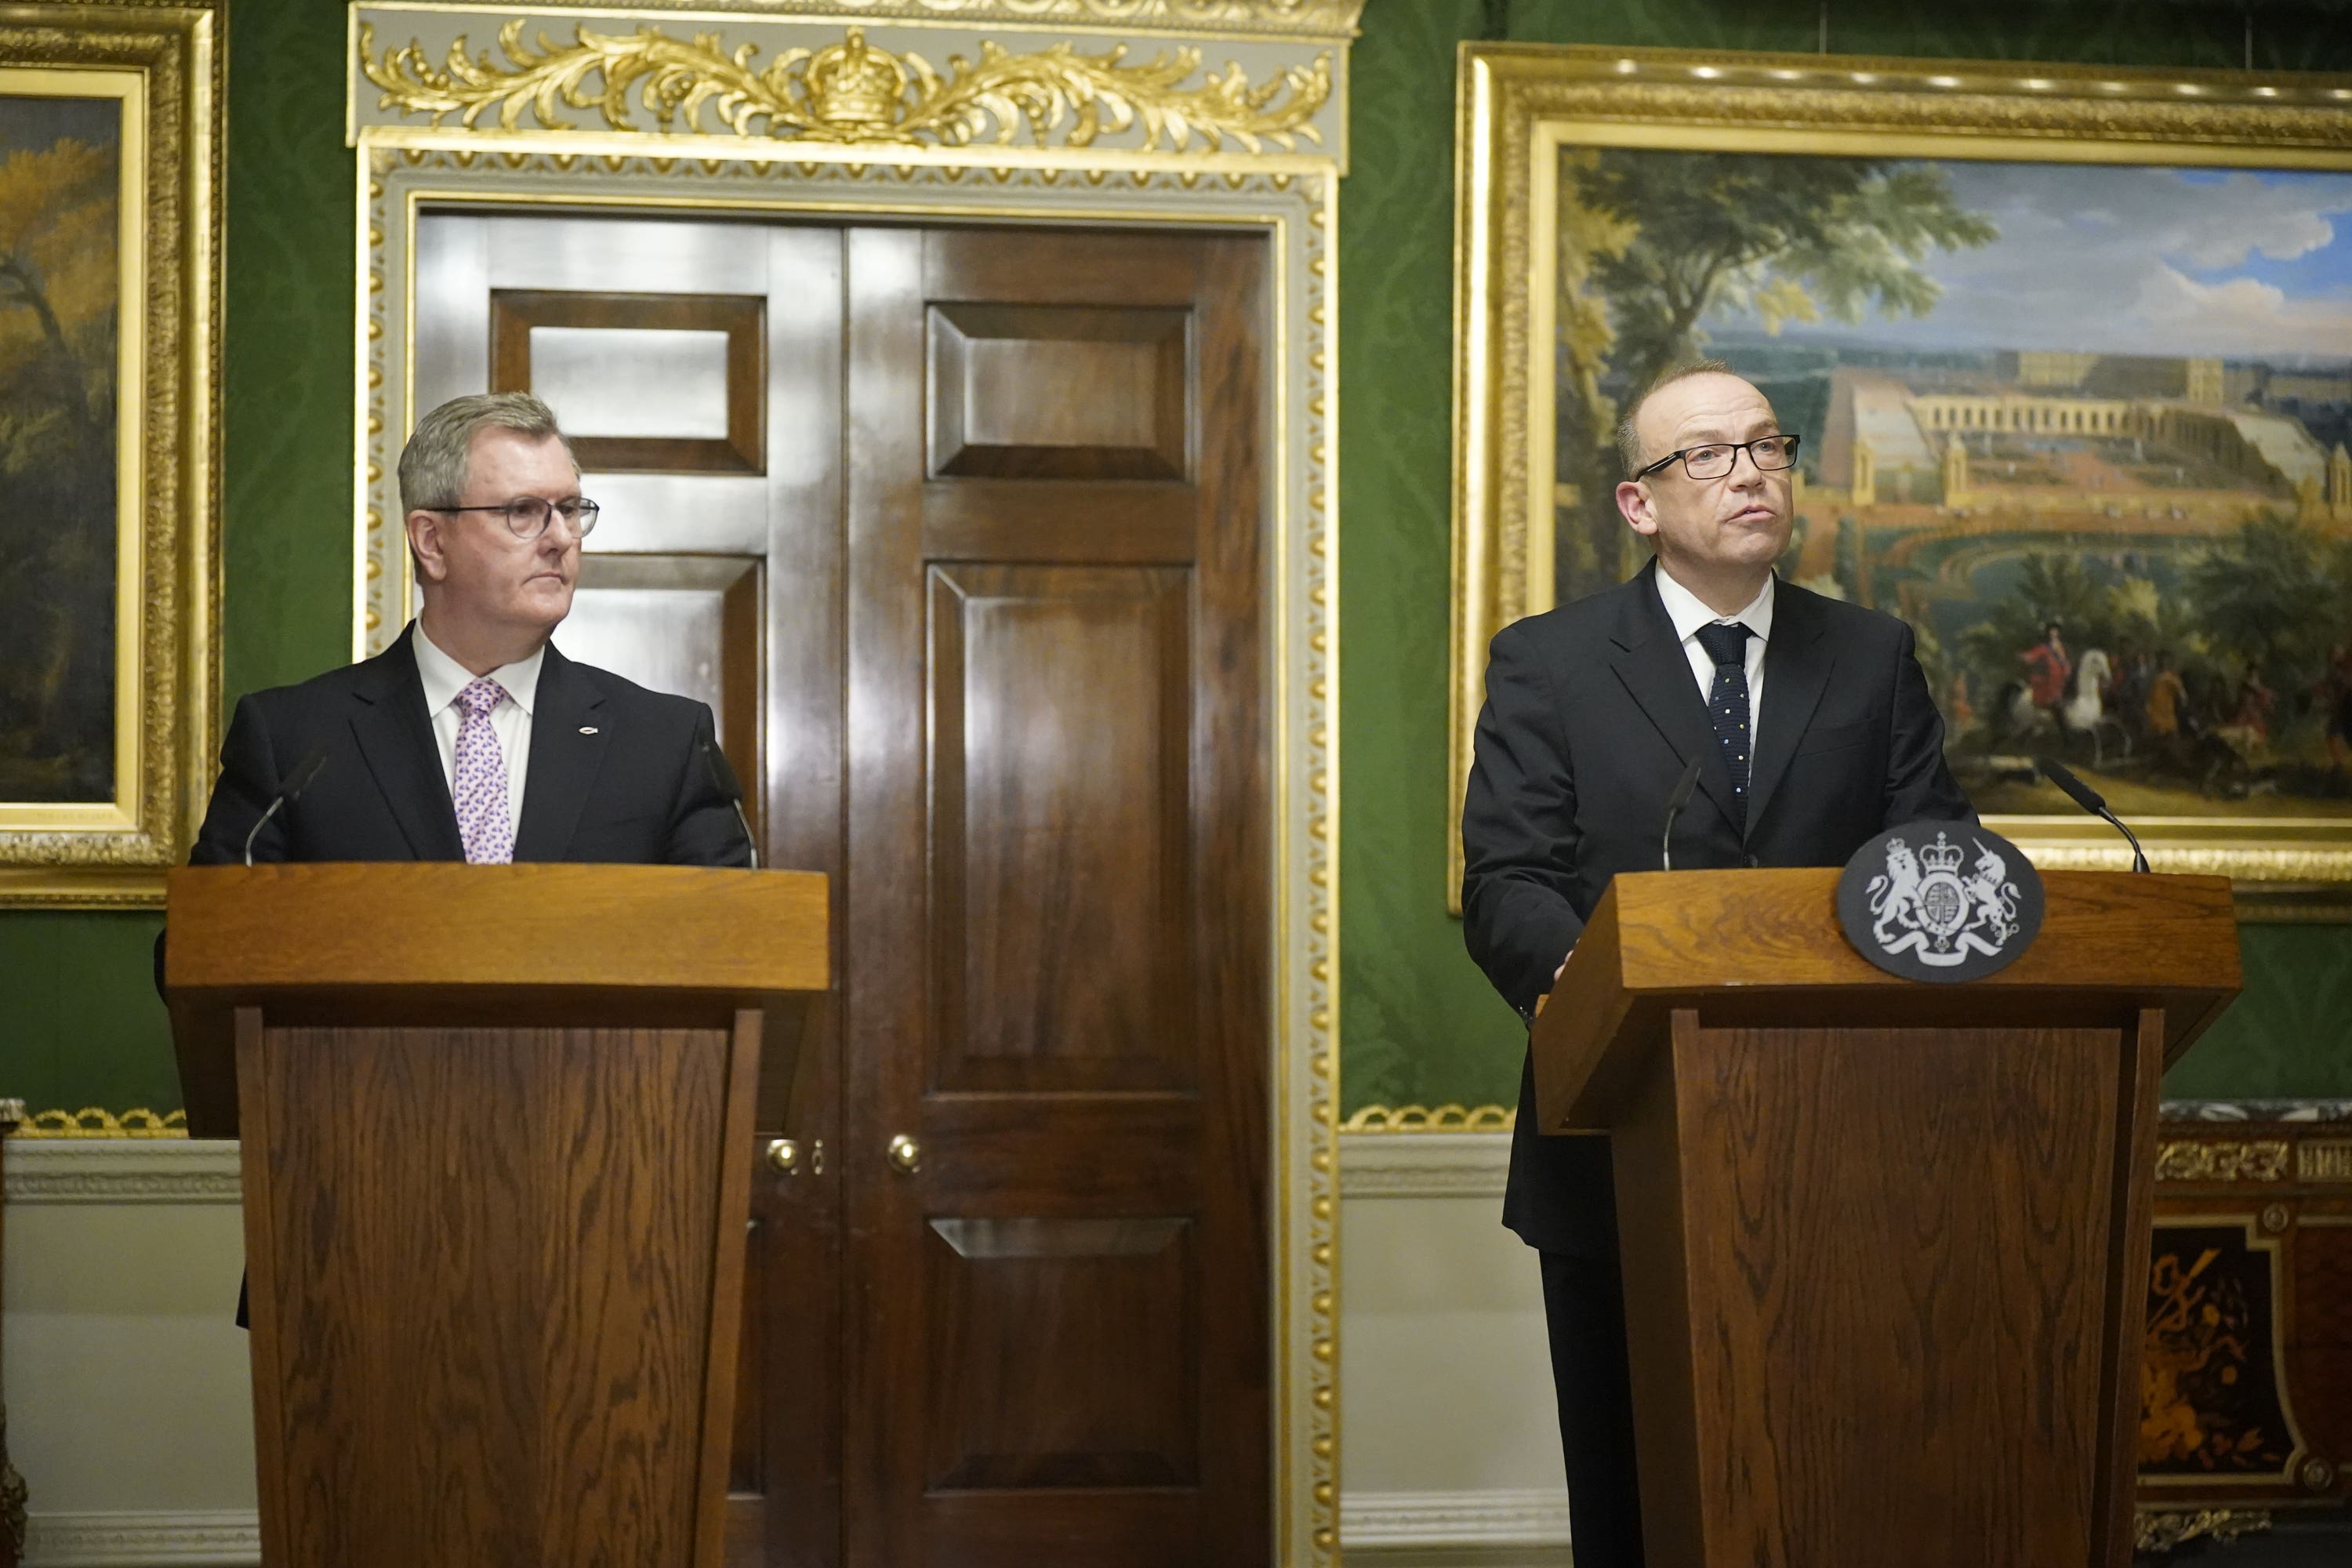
1688,612
443,676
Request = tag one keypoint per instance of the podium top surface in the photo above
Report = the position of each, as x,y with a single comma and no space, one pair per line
240,933
1764,947
433,943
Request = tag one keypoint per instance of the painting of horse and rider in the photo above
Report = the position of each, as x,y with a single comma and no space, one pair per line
2083,426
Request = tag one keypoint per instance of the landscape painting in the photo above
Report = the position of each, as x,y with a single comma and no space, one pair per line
2085,426
60,328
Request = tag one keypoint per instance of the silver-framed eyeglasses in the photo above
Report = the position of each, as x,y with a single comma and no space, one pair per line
526,516
1716,458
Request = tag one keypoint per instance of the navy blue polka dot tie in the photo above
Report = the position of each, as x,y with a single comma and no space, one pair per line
1727,705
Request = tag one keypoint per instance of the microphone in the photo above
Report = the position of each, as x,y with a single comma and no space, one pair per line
2090,800
296,783
723,775
1675,801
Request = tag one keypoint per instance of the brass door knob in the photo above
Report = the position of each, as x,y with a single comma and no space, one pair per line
784,1155
905,1154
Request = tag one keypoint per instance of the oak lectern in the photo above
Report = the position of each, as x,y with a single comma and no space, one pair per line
1886,1243
497,1130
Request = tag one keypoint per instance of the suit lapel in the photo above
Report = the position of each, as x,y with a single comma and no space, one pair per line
1797,663
1657,672
566,748
395,736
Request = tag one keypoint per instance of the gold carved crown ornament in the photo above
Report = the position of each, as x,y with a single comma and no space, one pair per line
851,92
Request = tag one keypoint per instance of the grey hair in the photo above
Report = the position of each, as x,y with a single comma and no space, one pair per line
1629,445
433,466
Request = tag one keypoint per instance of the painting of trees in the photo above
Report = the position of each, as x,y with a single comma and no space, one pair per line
1652,243
59,217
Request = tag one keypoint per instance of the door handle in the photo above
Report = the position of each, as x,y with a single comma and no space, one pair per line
906,1155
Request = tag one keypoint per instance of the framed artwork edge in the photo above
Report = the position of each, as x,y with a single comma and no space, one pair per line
114,855
1518,104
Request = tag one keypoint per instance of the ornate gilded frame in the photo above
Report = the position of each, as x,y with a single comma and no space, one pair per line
1519,105
1095,112
164,63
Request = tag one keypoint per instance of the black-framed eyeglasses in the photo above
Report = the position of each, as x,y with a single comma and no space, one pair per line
1716,458
526,516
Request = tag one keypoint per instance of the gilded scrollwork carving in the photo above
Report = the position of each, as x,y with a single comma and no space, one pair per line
851,93
2198,1159
2162,1531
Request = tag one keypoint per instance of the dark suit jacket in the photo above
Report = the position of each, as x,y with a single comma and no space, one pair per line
1591,715
616,774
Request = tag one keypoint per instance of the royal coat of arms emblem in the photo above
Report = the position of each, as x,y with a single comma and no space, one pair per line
1940,901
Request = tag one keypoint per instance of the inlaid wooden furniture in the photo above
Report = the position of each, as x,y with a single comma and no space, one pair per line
1886,1243
496,1126
2247,1399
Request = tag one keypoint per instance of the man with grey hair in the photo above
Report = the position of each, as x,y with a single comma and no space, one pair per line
472,738
1812,731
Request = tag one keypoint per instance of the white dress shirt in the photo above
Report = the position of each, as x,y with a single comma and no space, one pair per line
444,678
1688,613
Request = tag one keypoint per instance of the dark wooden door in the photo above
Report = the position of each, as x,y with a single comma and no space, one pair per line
1054,1120
966,552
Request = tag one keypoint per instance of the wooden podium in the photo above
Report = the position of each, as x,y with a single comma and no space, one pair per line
496,1127
1886,1243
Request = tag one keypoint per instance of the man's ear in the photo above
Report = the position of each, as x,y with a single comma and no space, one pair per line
424,546
1633,502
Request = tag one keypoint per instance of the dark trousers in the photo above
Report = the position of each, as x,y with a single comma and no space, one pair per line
1584,1312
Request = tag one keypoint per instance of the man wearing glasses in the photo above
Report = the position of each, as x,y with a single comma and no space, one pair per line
472,738
1814,732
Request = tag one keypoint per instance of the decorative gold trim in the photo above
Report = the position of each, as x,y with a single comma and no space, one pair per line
95,1121
2323,1160
1447,1118
2156,1530
163,63
1520,105
2198,1159
853,92
1336,20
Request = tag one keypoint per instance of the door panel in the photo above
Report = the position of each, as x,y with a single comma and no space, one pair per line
1057,991
1070,1353
1061,718
1057,392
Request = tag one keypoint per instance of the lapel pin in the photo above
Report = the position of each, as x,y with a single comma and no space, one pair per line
587,729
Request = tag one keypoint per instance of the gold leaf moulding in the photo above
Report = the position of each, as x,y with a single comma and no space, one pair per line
1447,1118
2202,1160
850,93
94,1121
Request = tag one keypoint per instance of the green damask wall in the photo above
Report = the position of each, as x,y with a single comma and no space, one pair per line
79,1022
1418,1022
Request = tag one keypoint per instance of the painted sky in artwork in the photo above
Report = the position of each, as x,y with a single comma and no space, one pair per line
2234,263
30,124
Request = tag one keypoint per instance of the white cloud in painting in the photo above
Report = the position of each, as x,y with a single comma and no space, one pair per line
2101,258
2239,316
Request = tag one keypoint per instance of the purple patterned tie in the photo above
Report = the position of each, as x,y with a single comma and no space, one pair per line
478,784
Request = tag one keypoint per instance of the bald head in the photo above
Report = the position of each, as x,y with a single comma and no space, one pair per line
1632,449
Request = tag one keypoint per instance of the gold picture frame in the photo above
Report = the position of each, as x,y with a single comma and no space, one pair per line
1522,109
105,749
